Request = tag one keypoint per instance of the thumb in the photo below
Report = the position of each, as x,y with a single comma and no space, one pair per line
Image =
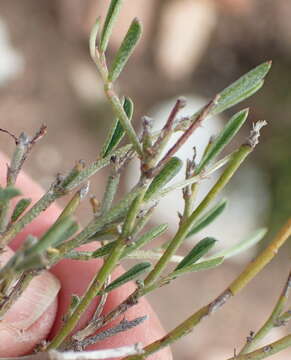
31,317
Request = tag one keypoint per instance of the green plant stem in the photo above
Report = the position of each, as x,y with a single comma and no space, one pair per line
150,283
55,192
190,191
238,158
237,285
116,103
152,172
130,220
266,351
143,220
189,199
4,215
122,117
107,268
30,215
18,157
185,327
194,180
110,191
262,259
94,167
97,224
284,318
271,322
92,291
75,201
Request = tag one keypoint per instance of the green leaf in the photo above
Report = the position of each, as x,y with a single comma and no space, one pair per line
203,265
93,38
117,132
59,232
243,88
145,238
226,135
104,250
208,218
168,172
129,275
75,301
197,252
111,16
243,245
8,193
19,209
125,50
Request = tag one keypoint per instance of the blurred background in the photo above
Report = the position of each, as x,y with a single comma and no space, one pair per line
193,48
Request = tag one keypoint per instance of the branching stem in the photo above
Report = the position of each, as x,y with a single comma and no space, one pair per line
236,286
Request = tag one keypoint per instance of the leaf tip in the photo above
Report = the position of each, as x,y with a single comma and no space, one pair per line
245,112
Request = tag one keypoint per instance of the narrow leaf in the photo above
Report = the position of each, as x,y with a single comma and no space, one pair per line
208,218
226,135
145,238
117,132
152,255
197,252
104,250
169,171
19,209
8,193
58,233
75,301
125,50
93,38
243,245
129,275
203,265
243,88
111,16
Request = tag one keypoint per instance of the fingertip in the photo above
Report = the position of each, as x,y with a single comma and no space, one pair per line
75,277
15,342
31,317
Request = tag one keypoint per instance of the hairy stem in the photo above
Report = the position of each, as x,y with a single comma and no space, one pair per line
237,159
236,286
266,351
271,322
107,268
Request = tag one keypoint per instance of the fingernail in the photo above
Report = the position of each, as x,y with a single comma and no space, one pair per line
35,300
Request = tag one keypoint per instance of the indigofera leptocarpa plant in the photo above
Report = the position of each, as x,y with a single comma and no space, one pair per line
121,227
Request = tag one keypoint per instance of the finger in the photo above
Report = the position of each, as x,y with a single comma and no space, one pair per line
31,317
75,277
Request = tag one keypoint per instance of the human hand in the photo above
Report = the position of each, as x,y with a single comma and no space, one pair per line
38,313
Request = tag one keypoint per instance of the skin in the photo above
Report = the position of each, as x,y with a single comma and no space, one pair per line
74,277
